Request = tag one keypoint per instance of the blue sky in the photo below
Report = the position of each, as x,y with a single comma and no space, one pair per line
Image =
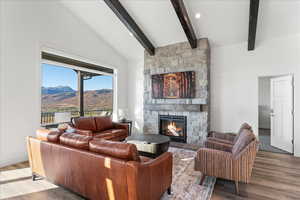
60,76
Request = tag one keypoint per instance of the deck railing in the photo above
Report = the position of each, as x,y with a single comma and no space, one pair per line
49,117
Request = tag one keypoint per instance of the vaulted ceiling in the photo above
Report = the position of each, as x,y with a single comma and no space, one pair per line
224,22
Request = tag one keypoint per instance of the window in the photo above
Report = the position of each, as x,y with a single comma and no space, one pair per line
74,91
98,95
59,93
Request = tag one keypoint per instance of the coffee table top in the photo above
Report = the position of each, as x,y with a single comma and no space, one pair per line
149,138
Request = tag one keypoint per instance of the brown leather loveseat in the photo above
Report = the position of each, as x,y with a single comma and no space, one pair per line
100,127
97,168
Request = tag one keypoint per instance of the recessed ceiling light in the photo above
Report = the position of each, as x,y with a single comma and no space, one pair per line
197,15
130,34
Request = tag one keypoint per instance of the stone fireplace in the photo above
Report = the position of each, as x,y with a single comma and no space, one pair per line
159,114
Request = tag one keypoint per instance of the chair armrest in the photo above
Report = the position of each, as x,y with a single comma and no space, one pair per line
212,144
214,162
224,136
150,179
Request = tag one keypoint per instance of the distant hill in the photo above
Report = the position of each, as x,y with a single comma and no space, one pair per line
64,98
56,90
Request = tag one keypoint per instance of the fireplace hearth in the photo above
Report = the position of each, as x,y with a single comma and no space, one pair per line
173,126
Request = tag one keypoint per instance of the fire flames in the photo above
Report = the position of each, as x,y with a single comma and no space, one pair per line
173,129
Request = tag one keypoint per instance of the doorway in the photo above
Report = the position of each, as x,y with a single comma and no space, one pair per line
276,120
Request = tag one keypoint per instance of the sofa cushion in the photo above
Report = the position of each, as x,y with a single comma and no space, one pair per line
114,131
244,139
243,126
84,123
120,150
48,135
145,159
103,123
75,140
111,133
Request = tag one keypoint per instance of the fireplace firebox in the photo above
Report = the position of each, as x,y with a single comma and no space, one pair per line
173,126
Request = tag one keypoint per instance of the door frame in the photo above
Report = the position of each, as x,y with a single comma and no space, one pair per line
293,104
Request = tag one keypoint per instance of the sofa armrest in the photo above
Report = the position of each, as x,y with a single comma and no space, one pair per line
224,136
43,132
212,144
150,179
121,126
48,134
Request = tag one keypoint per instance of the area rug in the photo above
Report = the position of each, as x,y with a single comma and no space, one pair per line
186,181
17,184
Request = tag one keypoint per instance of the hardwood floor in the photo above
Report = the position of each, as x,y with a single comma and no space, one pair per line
16,166
275,176
264,136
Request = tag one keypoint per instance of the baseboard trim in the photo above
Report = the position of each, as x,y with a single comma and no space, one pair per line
12,161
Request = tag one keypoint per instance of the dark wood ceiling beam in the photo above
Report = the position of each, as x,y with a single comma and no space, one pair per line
253,15
130,24
185,22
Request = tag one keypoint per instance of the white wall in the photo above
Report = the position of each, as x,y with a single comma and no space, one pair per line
264,102
136,95
234,81
1,81
30,26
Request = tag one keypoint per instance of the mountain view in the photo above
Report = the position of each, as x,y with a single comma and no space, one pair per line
64,98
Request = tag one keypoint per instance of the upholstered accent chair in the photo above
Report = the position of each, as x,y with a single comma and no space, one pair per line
229,157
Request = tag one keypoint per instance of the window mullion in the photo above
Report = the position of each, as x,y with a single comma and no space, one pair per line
80,92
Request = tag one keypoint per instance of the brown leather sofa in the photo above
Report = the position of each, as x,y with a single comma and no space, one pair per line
97,168
99,127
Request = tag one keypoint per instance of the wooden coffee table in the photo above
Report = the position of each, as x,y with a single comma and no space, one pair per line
150,145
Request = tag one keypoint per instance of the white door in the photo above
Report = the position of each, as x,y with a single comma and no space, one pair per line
282,119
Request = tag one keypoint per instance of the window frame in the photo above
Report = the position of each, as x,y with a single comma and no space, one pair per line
80,82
